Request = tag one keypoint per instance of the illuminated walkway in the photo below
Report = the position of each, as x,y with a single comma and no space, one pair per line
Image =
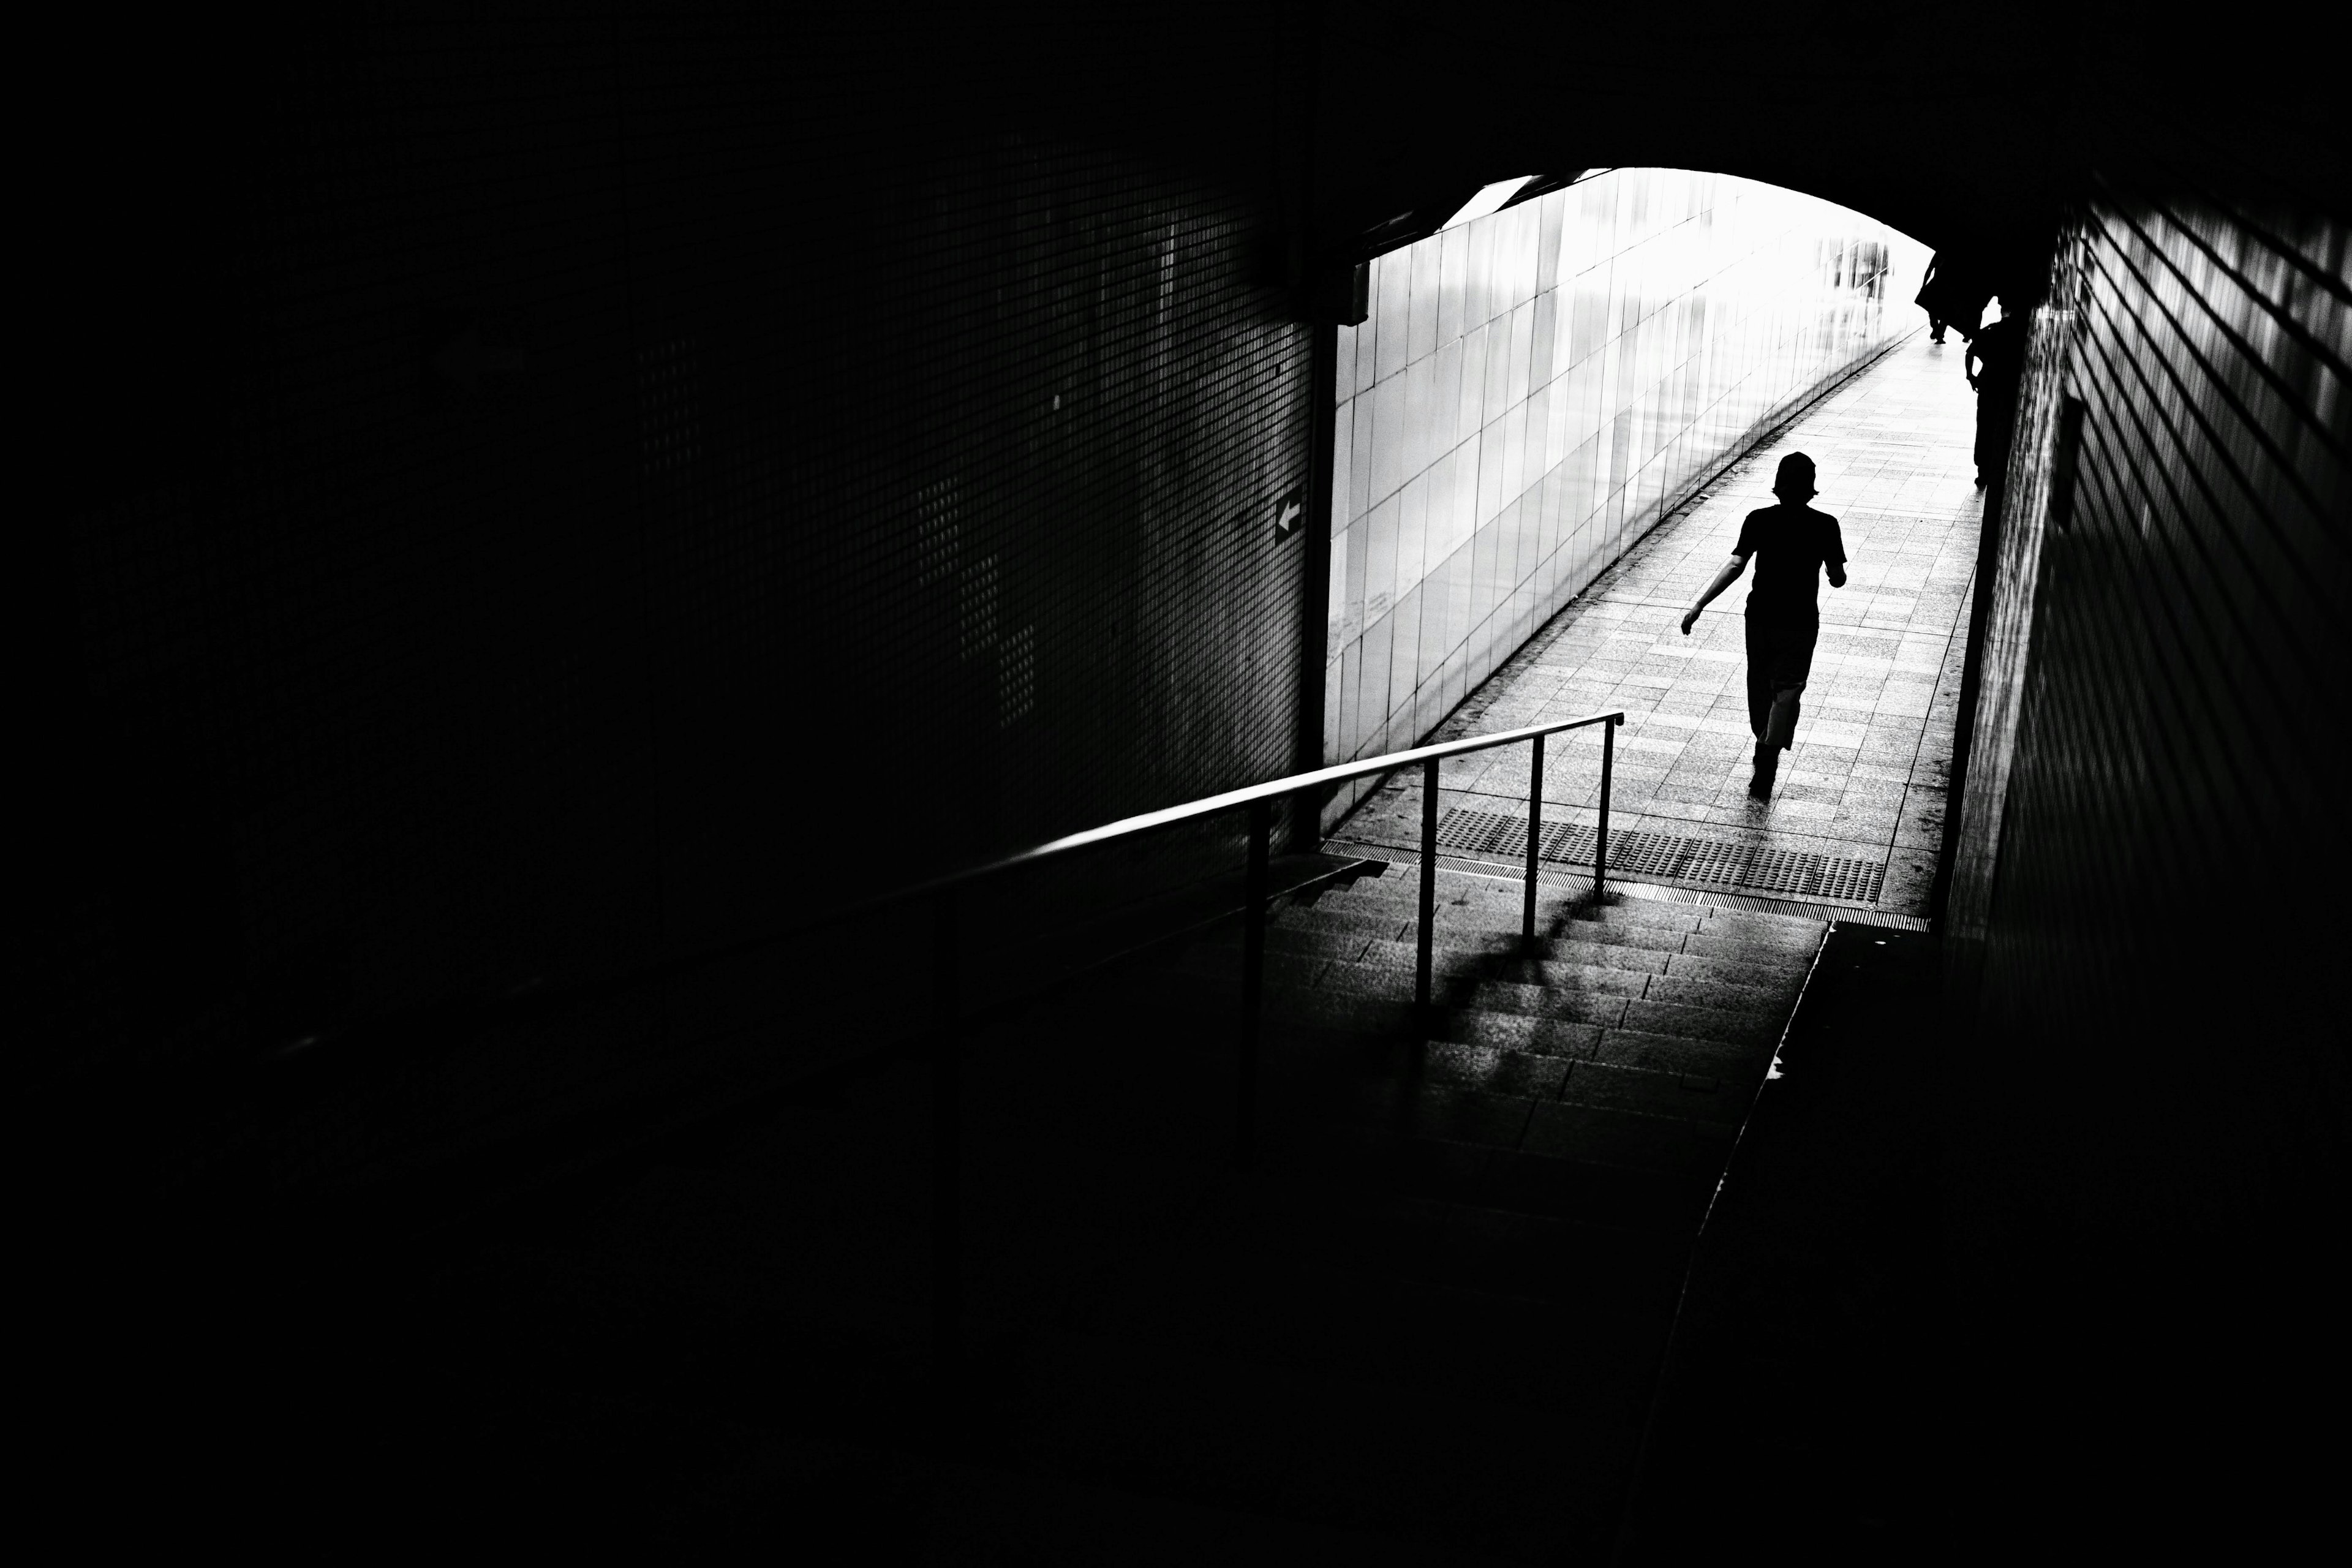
1866,782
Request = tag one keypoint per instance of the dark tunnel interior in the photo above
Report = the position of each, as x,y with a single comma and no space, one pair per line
563,514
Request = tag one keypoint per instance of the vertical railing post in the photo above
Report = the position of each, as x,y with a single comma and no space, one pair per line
1601,845
1534,839
947,1138
1428,880
1253,978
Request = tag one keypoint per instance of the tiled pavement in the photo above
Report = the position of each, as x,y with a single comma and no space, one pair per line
1866,778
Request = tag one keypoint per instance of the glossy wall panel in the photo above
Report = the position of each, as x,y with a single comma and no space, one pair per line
1533,389
2152,839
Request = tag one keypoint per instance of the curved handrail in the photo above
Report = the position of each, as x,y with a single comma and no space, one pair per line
1232,800
534,996
948,1016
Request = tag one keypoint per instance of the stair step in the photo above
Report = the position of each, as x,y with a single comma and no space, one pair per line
1491,1069
1390,970
1698,1097
1338,942
1332,916
1240,1434
1412,1166
1387,1108
1676,1054
1564,979
1784,979
1767,948
1755,1027
1770,1005
1501,956
1654,939
1803,929
1608,1136
1220,965
992,1514
1596,1193
1522,1032
1418,1326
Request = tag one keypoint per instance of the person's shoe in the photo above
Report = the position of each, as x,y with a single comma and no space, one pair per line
1768,766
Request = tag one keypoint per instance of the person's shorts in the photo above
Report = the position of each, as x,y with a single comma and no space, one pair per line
1780,653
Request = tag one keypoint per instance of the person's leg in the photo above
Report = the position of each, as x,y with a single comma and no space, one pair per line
1789,664
1793,666
1780,731
1759,680
1935,331
1759,708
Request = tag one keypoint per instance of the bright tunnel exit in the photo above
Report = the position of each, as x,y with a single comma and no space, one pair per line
1541,381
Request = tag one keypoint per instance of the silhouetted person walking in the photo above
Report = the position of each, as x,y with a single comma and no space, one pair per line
1792,544
1930,299
1952,297
1999,350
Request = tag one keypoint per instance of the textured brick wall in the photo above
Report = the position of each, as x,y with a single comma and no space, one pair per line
594,481
2154,832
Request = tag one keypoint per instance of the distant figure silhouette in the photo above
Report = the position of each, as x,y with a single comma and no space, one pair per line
1952,297
1792,544
1930,299
1995,360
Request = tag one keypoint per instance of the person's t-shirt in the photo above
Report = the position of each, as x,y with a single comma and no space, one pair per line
2001,348
1790,544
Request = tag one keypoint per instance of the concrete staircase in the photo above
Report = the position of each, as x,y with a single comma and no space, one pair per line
1435,1310
1424,1328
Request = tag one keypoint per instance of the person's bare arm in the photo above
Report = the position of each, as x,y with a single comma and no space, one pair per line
1728,574
1836,570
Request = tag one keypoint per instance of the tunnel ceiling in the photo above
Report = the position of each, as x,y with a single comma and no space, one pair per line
1961,127
1949,123
194,134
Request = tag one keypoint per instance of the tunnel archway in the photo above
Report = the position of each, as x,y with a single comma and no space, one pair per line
1533,389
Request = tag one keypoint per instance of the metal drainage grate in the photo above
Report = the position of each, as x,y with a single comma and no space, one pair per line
1636,853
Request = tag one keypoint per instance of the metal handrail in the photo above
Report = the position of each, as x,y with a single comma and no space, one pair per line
947,1002
947,1118
1267,792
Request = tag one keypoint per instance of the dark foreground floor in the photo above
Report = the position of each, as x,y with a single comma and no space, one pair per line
1424,1328
1865,1369
1852,1375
